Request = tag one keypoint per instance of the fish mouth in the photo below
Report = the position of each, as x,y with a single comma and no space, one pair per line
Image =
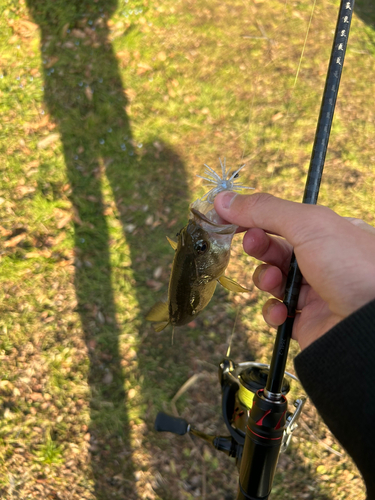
216,227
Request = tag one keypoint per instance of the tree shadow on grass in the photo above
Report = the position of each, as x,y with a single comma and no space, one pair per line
86,99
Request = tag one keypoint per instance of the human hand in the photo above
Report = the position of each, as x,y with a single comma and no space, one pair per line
336,256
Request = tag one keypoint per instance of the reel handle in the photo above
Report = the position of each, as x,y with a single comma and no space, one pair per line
167,423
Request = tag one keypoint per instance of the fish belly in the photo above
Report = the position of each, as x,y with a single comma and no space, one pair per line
188,302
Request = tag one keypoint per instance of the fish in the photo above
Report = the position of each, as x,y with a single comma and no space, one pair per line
202,253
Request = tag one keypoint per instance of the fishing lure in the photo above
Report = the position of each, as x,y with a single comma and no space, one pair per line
202,254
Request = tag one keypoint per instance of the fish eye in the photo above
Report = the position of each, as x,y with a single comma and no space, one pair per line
236,176
201,247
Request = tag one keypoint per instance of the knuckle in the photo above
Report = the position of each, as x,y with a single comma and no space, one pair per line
313,224
259,199
256,205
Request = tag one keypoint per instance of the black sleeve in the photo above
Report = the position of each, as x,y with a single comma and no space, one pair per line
338,373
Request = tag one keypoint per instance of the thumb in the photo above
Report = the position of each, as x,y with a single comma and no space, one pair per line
296,222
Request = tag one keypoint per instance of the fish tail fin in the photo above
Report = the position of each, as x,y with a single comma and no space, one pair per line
158,327
159,312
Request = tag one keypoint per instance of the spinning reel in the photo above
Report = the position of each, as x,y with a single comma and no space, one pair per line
239,384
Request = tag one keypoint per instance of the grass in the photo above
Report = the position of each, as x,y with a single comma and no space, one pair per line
108,110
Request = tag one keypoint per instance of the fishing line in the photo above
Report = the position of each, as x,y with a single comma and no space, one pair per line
295,78
297,72
245,396
231,336
304,45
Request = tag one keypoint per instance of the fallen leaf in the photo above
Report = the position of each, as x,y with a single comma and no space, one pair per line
171,223
277,116
158,146
13,39
47,141
132,393
130,94
92,198
8,415
101,317
64,221
78,33
64,30
52,61
40,253
15,240
32,164
68,45
124,55
88,92
77,218
24,190
108,211
91,344
108,378
65,263
155,285
143,68
129,228
105,356
5,232
59,238
162,56
6,386
149,220
27,28
158,272
29,25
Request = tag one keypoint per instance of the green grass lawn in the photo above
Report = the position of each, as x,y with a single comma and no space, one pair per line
108,110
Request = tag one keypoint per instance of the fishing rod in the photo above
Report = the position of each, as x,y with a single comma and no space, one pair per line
254,403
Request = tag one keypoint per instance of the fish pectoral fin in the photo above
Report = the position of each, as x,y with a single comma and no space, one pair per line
159,312
172,243
231,285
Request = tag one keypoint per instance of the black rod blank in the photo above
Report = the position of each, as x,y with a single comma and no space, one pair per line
314,176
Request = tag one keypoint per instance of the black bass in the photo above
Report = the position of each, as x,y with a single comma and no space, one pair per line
202,254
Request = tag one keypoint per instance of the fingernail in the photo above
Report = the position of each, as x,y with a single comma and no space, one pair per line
269,308
258,273
227,199
261,274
